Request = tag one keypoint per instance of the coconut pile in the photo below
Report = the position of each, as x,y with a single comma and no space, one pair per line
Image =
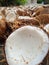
24,35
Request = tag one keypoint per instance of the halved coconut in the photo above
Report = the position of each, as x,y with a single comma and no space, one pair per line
26,46
47,28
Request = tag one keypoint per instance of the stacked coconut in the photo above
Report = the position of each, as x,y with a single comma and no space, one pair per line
24,35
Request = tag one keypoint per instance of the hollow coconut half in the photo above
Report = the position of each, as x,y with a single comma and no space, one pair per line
27,45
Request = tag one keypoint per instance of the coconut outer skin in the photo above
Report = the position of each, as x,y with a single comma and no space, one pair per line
2,25
23,21
43,19
26,29
11,17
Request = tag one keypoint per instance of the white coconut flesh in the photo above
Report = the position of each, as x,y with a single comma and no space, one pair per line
1,17
24,18
47,28
26,46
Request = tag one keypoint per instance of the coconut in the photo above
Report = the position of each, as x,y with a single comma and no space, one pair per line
11,14
27,45
47,28
11,17
2,25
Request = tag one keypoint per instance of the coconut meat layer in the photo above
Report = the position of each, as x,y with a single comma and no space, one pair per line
26,46
25,17
47,27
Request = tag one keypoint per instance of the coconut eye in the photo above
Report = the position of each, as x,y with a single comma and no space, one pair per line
26,45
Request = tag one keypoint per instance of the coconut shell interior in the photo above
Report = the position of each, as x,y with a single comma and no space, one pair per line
42,14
